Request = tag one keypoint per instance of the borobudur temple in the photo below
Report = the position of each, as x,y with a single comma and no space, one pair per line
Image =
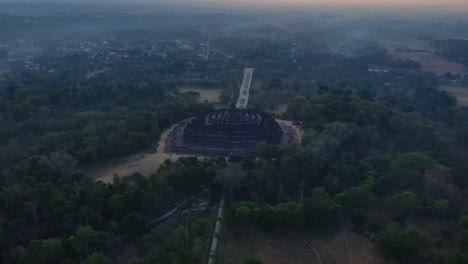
228,132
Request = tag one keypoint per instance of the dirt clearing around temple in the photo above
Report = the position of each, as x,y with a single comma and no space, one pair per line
144,163
290,248
423,53
211,95
461,93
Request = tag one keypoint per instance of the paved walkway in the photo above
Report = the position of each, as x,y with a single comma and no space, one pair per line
244,93
217,233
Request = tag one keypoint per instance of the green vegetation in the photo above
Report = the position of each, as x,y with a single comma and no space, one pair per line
384,151
361,162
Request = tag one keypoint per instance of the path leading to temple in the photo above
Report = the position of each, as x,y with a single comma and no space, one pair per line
216,233
244,92
296,131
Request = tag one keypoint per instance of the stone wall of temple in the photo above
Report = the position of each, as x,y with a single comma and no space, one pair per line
227,132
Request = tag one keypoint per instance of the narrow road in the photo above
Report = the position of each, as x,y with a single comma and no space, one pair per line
217,232
312,248
170,213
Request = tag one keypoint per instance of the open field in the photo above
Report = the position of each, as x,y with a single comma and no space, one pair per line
206,94
461,93
423,53
290,248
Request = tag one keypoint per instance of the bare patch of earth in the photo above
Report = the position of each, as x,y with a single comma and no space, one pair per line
291,248
210,95
144,163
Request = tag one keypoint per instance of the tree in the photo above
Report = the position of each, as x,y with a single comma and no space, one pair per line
290,215
96,258
317,154
253,260
356,197
463,222
231,178
53,247
86,238
321,210
415,161
268,218
134,225
197,251
464,241
404,203
458,258
243,215
441,207
45,251
407,244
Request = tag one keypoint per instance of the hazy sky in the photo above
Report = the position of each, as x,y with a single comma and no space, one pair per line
415,3
446,3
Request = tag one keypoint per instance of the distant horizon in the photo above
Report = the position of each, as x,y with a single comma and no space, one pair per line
325,3
276,7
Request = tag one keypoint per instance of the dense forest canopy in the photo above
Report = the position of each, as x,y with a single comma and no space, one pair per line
383,152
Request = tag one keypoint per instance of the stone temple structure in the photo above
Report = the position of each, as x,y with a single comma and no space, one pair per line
228,132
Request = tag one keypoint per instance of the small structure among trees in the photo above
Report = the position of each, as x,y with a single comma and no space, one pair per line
228,132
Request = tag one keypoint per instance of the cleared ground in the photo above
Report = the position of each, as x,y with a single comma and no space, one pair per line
461,93
210,95
423,53
296,131
289,248
144,163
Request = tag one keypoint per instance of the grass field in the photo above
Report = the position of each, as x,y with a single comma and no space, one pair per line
423,53
461,93
289,248
210,95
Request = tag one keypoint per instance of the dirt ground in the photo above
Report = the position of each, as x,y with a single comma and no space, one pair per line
289,248
144,163
424,53
298,132
461,93
210,95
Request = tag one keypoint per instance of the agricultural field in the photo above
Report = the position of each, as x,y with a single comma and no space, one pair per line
206,94
423,53
292,248
461,93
